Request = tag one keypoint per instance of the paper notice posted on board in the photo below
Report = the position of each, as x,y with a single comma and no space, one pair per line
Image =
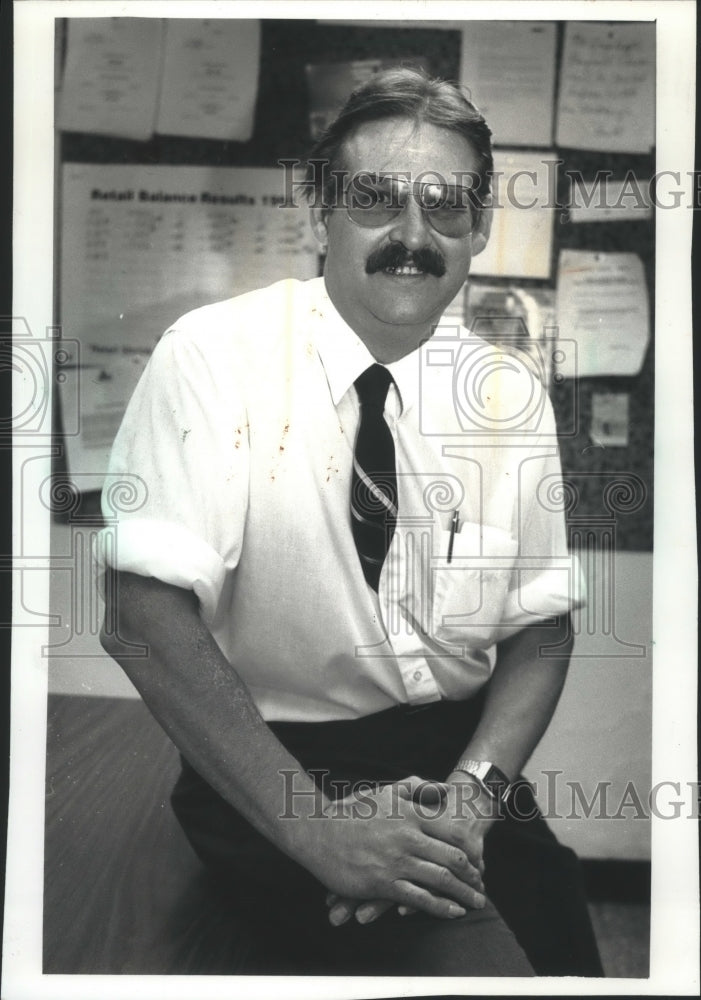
524,196
509,69
609,419
602,305
110,81
210,79
607,90
141,245
606,200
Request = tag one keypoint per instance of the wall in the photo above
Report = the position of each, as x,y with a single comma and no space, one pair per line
282,131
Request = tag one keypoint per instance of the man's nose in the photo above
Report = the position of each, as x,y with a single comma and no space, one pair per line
411,228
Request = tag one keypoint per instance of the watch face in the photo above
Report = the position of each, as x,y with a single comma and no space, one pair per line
496,782
489,775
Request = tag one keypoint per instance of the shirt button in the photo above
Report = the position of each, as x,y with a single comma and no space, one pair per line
417,675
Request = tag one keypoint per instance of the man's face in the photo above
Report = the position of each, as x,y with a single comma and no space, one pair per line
393,308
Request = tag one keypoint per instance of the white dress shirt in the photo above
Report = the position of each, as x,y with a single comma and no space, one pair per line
241,434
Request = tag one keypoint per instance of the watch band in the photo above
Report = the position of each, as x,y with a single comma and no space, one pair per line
490,777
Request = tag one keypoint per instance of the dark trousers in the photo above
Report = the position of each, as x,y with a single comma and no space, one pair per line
536,903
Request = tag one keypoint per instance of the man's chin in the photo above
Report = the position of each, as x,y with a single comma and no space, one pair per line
420,292
410,303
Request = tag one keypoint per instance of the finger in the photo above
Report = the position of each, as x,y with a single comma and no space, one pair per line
367,912
442,881
451,857
331,898
468,842
415,898
339,914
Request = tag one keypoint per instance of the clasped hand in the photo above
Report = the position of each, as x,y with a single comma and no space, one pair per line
411,844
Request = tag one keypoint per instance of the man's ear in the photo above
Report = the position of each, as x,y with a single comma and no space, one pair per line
480,236
318,218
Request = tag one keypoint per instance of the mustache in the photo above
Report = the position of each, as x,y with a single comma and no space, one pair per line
395,255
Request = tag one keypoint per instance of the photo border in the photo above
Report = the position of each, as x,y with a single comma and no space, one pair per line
674,941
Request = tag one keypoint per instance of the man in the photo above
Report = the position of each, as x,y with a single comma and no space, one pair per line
343,592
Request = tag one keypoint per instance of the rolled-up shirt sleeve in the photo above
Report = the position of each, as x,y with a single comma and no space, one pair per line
547,579
181,458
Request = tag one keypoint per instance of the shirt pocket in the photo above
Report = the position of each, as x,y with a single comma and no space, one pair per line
469,592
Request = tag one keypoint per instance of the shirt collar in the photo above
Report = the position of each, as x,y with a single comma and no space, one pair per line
344,355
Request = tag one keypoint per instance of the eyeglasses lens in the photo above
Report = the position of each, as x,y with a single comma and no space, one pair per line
373,202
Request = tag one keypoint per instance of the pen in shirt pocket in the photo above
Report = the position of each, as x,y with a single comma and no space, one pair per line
454,529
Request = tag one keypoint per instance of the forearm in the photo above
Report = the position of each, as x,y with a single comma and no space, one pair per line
204,706
520,700
206,709
521,697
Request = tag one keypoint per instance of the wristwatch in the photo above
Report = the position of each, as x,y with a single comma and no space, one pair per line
489,776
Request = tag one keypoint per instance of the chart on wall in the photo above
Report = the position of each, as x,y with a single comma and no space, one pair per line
142,245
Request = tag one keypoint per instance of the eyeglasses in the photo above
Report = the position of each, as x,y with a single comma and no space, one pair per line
375,200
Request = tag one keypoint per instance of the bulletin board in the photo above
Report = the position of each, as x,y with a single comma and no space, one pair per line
281,129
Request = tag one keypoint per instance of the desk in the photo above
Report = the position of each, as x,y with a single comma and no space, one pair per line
124,892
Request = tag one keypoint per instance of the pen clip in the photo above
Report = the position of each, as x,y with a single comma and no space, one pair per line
454,523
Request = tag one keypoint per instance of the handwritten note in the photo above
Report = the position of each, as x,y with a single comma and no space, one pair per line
141,246
607,90
210,78
602,304
110,81
509,68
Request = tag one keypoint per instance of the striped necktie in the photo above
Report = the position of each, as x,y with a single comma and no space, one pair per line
374,481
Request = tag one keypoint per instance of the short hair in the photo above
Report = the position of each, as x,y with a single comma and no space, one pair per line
406,93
